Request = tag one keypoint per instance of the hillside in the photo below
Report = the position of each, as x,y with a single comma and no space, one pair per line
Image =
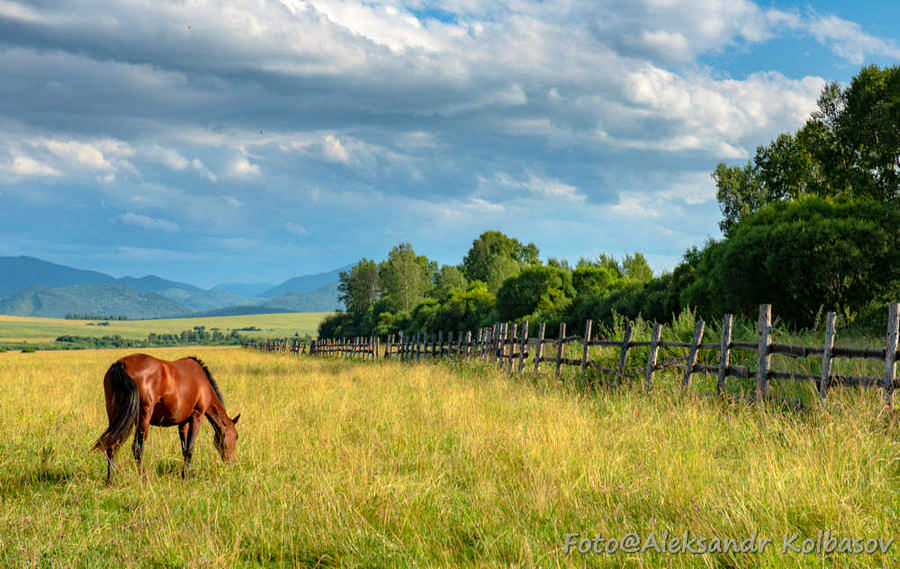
322,299
19,273
32,287
115,299
308,283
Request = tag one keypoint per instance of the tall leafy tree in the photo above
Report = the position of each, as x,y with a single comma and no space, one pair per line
359,287
448,280
850,146
803,256
495,256
406,277
535,289
636,267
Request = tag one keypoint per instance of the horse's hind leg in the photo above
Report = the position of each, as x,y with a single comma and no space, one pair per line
188,434
110,455
140,435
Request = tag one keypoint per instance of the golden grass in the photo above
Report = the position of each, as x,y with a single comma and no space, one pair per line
346,464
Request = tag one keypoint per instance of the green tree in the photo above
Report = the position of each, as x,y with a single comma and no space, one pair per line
535,289
589,280
448,280
850,146
488,260
803,256
469,309
636,268
358,288
405,277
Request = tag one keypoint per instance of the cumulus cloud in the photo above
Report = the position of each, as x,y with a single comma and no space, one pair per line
243,168
481,110
848,40
147,222
27,166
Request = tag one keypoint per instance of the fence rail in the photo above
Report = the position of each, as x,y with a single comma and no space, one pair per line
514,350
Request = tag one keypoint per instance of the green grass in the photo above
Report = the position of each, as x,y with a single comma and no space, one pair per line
17,329
344,464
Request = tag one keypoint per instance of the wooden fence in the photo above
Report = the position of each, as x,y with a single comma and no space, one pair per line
513,349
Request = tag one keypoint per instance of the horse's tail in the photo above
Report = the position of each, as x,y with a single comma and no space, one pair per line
124,396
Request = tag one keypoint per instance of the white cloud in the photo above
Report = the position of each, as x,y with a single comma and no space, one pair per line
78,154
848,40
27,166
147,222
243,168
296,229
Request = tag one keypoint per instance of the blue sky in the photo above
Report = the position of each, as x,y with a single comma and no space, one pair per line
257,140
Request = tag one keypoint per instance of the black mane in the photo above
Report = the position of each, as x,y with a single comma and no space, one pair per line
212,382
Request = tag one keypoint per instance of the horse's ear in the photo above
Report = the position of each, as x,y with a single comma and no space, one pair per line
236,417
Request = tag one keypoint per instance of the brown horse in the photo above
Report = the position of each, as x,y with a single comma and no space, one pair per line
142,391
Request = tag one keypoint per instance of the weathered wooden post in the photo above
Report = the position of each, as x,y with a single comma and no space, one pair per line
652,355
764,355
692,354
623,353
562,346
539,348
587,344
512,345
724,353
523,347
890,353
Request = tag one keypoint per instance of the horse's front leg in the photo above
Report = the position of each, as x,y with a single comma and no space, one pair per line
188,433
140,435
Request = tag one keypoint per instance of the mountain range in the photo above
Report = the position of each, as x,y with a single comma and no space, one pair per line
33,287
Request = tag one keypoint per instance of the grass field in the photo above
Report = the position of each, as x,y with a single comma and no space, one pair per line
17,329
381,464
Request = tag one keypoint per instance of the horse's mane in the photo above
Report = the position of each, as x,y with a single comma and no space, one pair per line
212,382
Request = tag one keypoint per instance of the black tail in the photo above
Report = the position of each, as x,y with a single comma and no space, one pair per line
125,396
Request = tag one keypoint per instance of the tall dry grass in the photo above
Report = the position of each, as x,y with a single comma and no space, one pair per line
344,464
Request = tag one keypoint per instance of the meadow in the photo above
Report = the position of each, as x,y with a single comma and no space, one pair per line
382,464
35,330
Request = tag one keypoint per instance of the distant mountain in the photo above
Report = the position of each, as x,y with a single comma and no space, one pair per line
247,290
323,299
152,283
19,273
307,283
195,298
113,299
32,287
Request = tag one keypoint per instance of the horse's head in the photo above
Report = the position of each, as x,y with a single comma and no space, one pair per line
225,439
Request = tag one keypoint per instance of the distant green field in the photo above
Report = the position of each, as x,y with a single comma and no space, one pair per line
17,329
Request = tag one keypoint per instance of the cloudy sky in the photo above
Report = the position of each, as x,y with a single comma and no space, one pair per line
256,140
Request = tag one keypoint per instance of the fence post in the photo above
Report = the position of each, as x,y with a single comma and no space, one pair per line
587,343
562,345
692,355
652,355
890,353
724,353
498,341
623,355
513,331
539,350
763,352
524,346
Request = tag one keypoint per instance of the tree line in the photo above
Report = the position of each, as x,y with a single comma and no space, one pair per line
810,224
